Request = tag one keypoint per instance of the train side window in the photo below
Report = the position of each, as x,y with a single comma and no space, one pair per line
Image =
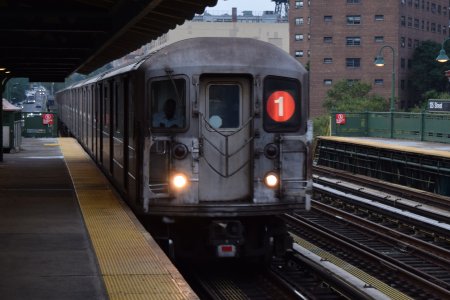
168,104
282,104
224,105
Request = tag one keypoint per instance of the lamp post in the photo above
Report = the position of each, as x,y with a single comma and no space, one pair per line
442,57
379,62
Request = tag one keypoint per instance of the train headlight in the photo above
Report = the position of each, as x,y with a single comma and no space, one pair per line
271,180
179,181
271,151
180,151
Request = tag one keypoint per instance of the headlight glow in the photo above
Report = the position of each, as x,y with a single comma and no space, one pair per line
179,181
271,180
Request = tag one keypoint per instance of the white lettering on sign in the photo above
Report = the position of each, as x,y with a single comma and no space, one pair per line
436,105
279,101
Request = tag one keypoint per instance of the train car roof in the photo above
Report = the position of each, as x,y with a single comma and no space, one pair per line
217,52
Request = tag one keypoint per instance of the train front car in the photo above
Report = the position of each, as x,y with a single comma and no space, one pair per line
228,146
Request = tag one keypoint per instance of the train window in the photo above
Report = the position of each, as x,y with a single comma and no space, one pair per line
282,111
168,103
224,103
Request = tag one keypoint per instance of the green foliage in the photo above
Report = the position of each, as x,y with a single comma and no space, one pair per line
15,89
432,94
321,125
426,73
354,97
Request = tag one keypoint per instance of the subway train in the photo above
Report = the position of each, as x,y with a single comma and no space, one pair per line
207,140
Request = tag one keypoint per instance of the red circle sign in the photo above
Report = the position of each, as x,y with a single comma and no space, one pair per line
280,106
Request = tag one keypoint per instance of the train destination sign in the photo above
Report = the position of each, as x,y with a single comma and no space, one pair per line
280,106
439,105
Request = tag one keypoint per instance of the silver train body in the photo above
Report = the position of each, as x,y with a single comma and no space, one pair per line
235,154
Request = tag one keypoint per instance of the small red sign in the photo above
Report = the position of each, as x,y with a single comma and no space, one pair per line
47,119
340,119
280,106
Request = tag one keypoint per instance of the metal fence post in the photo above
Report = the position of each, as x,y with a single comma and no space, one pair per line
392,124
422,125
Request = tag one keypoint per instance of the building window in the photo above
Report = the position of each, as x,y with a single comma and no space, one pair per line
298,21
402,63
409,43
416,3
402,42
350,82
409,21
402,84
433,27
439,28
433,8
409,63
328,60
353,41
328,39
379,39
327,81
298,4
403,2
403,20
416,43
423,25
298,53
416,23
353,62
309,53
353,1
299,37
327,18
353,20
378,81
379,17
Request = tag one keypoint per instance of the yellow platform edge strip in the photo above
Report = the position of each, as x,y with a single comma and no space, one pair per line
131,263
358,273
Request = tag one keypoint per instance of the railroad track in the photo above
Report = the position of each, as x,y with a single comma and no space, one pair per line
383,209
413,271
231,280
417,198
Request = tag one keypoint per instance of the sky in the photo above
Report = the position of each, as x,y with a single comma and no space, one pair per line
254,5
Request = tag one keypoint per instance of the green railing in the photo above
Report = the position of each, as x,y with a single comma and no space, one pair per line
431,127
37,125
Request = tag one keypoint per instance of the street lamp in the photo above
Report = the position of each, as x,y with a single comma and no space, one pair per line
379,62
442,57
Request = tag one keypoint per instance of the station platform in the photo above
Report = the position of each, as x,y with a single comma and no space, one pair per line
65,234
425,148
420,165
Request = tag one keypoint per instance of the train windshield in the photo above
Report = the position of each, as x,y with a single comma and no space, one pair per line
224,103
168,104
282,105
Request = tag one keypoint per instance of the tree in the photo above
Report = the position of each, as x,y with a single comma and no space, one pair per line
346,97
354,97
426,73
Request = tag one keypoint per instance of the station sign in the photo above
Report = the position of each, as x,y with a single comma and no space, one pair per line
441,105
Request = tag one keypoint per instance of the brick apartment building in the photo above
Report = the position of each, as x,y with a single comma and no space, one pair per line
339,39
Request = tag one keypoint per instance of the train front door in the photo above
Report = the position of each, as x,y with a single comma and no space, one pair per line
225,135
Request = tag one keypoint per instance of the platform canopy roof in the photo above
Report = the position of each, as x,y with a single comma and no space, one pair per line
47,40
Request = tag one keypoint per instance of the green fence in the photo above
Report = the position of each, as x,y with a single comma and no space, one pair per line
39,124
431,127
